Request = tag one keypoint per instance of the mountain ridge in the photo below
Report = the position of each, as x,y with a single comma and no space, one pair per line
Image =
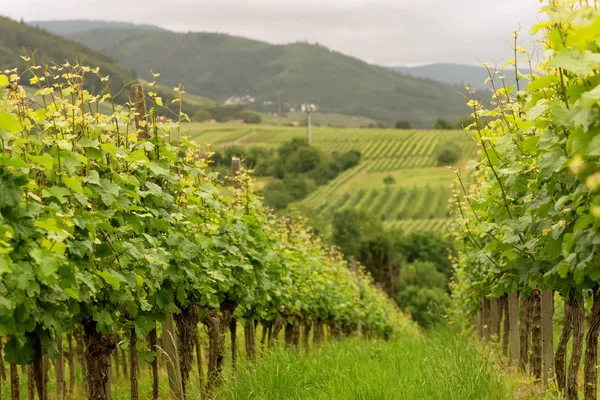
70,26
218,65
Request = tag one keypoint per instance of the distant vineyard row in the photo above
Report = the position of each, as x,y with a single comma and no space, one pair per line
395,204
391,149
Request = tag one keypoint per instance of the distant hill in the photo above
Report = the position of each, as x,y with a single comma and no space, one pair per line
68,27
219,66
15,37
453,74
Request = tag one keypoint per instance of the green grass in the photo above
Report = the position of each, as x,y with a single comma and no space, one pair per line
440,365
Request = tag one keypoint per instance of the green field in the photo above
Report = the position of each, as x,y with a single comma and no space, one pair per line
416,200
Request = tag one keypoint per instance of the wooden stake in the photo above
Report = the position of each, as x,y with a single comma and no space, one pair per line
71,361
478,323
15,391
153,339
495,318
487,319
172,355
133,366
139,105
547,336
199,358
30,383
60,369
513,323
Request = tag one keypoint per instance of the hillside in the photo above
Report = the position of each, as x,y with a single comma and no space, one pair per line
219,66
16,36
416,198
453,74
68,27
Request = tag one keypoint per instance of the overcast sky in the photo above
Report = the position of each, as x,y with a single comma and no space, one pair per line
387,32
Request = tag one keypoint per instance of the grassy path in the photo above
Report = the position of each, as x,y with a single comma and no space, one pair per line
438,366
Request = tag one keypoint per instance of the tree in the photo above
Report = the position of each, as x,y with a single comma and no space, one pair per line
201,115
403,124
464,122
442,123
423,292
448,153
429,247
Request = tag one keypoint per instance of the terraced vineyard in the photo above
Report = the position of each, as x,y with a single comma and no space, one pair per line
415,197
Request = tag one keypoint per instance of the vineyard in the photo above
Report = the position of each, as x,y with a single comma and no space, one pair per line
417,200
117,242
528,215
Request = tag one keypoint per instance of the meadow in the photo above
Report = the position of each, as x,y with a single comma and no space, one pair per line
398,179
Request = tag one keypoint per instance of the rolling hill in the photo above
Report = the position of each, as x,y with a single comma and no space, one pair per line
15,37
68,27
219,66
452,74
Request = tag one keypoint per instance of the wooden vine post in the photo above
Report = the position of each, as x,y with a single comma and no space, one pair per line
60,370
15,391
199,358
139,105
133,366
477,323
486,318
513,324
494,319
547,337
71,361
153,341
172,355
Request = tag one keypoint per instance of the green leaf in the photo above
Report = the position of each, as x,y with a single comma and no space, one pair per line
104,320
47,262
110,278
9,123
154,188
563,269
580,63
85,142
3,80
73,183
46,161
19,353
157,169
58,192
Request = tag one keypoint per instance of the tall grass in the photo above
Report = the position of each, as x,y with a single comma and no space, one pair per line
439,365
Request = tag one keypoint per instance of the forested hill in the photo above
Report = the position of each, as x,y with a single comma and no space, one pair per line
15,37
457,74
219,66
67,27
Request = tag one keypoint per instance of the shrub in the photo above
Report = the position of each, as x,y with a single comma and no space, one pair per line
250,117
442,123
201,115
389,180
347,160
403,125
423,292
448,153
